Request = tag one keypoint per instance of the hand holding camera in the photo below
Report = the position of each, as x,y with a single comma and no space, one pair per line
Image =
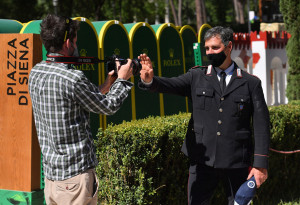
114,62
124,71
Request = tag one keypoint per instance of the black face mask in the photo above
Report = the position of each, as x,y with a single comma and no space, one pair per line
217,59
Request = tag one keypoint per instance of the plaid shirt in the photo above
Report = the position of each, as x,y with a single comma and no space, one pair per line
62,99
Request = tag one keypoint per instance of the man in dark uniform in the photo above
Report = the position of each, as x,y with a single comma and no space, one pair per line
228,105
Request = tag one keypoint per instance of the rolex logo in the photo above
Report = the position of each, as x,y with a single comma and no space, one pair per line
117,51
145,50
83,52
171,52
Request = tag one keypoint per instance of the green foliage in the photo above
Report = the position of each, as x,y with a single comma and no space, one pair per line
140,162
219,18
290,10
284,178
293,83
18,10
126,11
294,102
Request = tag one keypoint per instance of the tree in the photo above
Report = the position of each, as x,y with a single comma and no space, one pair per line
213,12
174,12
19,10
183,12
239,11
291,17
200,13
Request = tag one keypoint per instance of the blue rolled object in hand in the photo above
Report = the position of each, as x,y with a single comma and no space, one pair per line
246,192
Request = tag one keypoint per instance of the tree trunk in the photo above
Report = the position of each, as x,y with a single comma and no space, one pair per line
174,12
156,13
200,12
179,12
120,11
203,12
98,14
167,15
239,11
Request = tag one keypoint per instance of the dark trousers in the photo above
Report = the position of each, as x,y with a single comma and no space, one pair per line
203,181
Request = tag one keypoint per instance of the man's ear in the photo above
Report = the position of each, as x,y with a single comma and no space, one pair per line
228,48
65,47
68,43
230,45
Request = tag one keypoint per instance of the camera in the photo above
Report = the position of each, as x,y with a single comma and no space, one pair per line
110,63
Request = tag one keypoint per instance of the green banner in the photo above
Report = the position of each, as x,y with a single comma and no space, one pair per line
113,39
10,26
171,63
189,37
143,40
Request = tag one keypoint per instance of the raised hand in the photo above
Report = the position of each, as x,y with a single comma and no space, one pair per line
146,72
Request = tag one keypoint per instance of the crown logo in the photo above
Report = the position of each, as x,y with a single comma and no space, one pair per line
117,51
145,50
83,52
171,52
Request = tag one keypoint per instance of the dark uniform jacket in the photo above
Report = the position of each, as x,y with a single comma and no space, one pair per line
220,130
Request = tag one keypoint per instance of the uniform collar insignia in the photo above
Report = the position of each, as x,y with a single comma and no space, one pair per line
239,73
209,69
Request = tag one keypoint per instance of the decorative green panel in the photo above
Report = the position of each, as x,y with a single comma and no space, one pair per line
199,50
143,40
10,26
113,39
171,63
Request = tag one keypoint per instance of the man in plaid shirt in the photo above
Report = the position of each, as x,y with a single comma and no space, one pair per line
62,98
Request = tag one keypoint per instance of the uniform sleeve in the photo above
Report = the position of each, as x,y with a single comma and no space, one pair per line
180,85
91,99
261,125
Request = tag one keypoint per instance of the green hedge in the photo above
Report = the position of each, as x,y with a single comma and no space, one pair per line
294,102
140,162
284,177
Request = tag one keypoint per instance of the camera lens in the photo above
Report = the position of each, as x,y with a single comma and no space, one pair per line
136,66
111,64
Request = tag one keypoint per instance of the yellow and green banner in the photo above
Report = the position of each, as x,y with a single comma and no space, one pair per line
113,39
142,40
199,50
171,63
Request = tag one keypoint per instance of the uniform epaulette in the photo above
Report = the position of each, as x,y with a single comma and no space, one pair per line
200,66
255,76
252,75
239,73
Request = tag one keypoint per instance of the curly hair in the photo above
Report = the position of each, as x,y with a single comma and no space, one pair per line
226,34
55,30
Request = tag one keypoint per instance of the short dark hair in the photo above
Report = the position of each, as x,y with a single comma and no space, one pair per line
55,30
226,34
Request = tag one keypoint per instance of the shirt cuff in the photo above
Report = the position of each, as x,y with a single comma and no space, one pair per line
126,83
147,84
